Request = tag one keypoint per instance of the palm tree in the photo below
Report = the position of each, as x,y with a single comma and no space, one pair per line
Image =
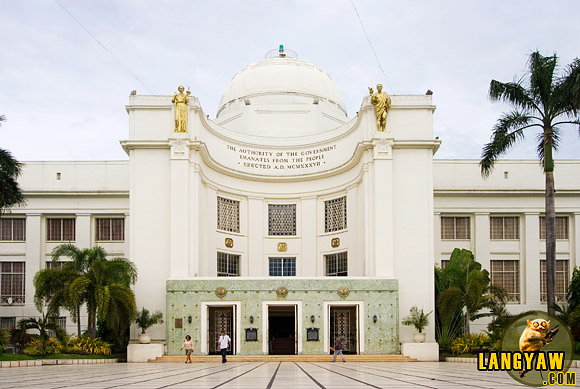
544,101
10,169
43,325
467,289
91,279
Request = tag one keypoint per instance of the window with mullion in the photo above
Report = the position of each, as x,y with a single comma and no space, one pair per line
110,229
13,229
228,265
60,230
562,280
336,264
455,227
507,275
561,227
504,227
12,283
285,267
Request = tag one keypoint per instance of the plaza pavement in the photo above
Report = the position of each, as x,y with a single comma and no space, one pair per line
294,375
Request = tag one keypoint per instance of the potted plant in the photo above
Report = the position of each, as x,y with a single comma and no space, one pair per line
144,320
418,319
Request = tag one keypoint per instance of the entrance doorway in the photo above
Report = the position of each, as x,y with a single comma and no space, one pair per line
221,319
343,324
282,329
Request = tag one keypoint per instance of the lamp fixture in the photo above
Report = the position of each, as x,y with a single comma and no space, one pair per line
375,318
251,319
189,319
312,318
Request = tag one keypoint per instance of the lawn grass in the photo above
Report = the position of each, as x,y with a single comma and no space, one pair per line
22,357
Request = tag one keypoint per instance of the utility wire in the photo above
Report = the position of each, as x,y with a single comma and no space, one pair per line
103,46
371,45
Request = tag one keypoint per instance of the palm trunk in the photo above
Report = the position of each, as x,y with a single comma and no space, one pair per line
79,321
550,221
550,242
467,320
92,324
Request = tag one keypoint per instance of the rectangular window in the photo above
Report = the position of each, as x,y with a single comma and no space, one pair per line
335,214
561,227
504,227
12,283
281,219
228,215
228,265
336,264
562,280
110,229
60,230
282,266
13,229
507,275
53,265
7,323
455,227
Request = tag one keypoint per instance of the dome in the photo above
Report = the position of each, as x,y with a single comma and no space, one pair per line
296,95
281,75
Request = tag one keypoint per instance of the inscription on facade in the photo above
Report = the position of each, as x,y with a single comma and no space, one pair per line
277,160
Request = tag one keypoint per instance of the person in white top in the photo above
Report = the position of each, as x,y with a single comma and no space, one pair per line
223,344
188,345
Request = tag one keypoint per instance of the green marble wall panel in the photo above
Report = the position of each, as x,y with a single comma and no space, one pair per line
379,297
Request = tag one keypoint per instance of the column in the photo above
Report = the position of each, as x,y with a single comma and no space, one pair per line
308,234
255,253
530,260
34,255
575,241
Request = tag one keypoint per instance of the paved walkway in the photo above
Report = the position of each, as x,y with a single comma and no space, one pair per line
266,375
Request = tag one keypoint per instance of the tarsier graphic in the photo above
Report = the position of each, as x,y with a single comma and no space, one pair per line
535,336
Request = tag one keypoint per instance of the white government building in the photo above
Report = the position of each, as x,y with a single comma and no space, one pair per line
285,222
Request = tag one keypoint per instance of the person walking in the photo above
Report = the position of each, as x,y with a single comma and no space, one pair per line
223,344
188,346
337,349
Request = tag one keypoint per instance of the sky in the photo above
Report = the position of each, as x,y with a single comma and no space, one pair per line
67,66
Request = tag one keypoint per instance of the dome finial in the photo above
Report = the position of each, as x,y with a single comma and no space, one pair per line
281,51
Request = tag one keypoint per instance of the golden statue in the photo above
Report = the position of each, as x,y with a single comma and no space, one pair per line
382,103
181,99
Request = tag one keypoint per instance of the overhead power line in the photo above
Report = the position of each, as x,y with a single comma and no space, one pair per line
371,45
103,46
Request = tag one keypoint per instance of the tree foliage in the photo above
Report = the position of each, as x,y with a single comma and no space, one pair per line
10,170
145,319
463,287
546,102
92,279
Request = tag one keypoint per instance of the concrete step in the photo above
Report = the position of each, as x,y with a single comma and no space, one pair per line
285,358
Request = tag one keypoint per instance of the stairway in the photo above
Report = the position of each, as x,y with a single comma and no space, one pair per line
284,358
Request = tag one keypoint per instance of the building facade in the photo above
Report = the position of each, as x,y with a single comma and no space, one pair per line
283,221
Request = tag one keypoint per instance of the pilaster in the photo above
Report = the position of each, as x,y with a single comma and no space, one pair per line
530,263
481,239
179,207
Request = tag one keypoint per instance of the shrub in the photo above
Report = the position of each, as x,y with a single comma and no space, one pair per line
465,344
34,347
4,339
86,344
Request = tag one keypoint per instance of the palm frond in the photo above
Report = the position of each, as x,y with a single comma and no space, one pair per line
508,130
541,71
511,92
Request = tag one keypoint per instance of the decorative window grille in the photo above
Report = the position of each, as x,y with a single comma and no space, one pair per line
561,280
561,227
60,230
504,227
282,266
13,229
455,227
335,214
507,275
281,219
336,264
12,276
228,265
110,229
8,323
228,215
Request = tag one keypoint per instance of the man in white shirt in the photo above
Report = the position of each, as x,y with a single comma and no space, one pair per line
223,344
